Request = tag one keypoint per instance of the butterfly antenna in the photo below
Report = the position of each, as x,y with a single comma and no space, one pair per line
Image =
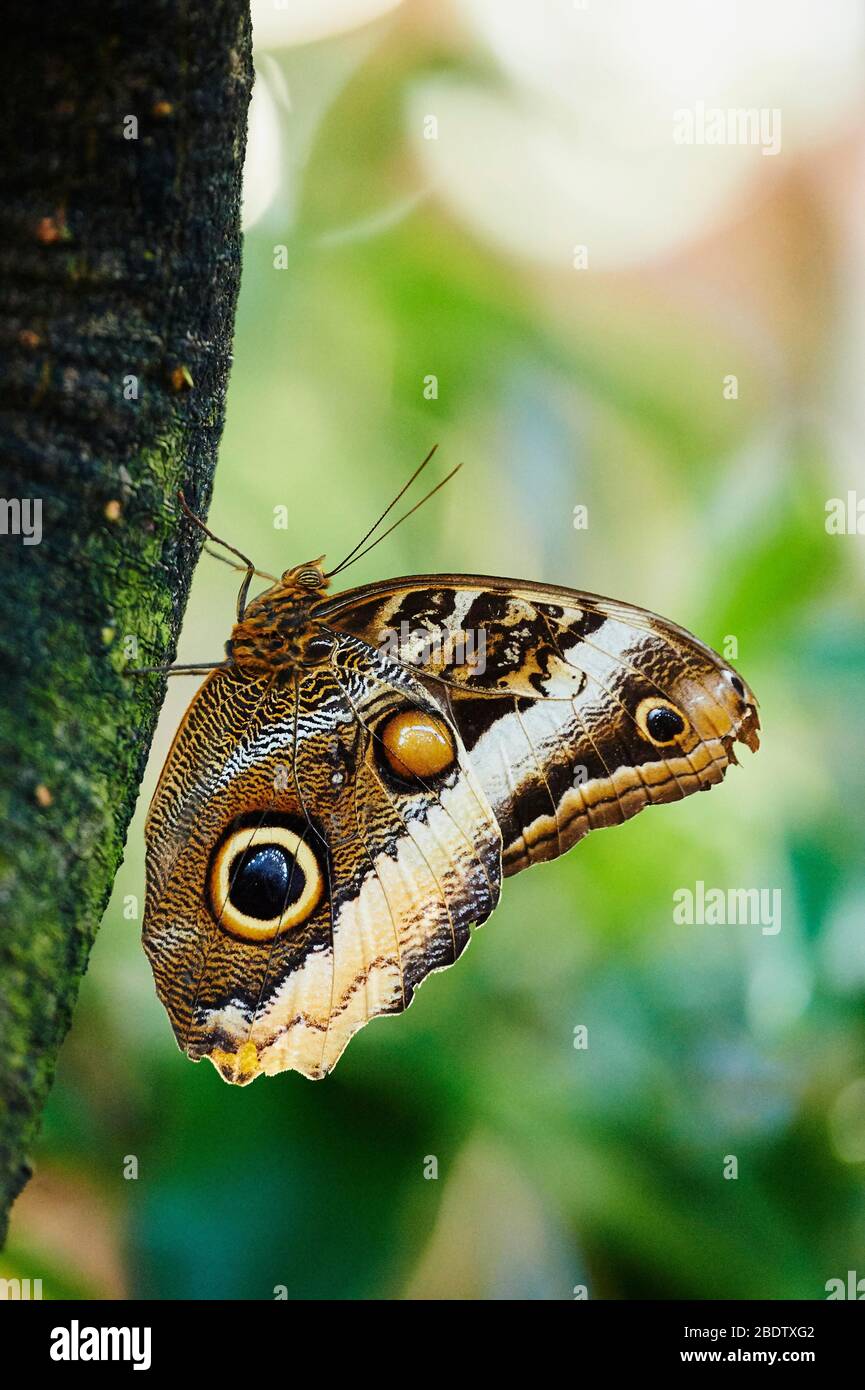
420,468
405,516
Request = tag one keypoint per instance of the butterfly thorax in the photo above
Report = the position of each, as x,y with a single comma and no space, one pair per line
277,631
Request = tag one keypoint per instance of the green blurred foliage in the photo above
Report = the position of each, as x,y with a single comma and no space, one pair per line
556,1166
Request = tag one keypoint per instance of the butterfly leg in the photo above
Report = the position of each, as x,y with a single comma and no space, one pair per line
188,669
247,565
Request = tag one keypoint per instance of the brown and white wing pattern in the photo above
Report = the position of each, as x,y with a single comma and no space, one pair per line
301,878
576,711
324,836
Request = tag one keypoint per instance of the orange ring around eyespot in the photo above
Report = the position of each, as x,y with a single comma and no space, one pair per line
658,702
253,928
417,744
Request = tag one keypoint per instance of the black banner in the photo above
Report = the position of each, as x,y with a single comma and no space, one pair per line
209,1339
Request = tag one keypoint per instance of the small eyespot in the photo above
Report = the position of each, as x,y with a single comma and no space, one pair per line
263,880
737,685
660,721
416,745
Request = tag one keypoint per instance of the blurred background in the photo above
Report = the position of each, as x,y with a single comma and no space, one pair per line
473,223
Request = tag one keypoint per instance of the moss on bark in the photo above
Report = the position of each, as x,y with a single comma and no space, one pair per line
121,145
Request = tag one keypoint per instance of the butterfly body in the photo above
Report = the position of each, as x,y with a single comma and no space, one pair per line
276,631
349,788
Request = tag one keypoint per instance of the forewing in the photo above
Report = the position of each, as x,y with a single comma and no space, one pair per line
551,690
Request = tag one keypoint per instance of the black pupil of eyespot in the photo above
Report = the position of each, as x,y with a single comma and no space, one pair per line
738,686
265,881
663,724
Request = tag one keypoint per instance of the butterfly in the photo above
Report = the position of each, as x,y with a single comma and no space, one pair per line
352,783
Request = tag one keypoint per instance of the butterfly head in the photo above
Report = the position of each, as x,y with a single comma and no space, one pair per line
305,580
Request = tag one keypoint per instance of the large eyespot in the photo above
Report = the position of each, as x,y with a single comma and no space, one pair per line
660,721
417,745
263,881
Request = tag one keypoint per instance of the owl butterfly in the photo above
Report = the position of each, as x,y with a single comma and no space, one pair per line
352,783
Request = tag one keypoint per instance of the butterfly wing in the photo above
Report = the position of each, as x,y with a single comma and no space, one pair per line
562,712
297,884
576,711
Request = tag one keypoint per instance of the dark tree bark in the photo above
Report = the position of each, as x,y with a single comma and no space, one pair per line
121,144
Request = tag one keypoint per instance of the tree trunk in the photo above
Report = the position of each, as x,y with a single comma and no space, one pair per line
121,147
